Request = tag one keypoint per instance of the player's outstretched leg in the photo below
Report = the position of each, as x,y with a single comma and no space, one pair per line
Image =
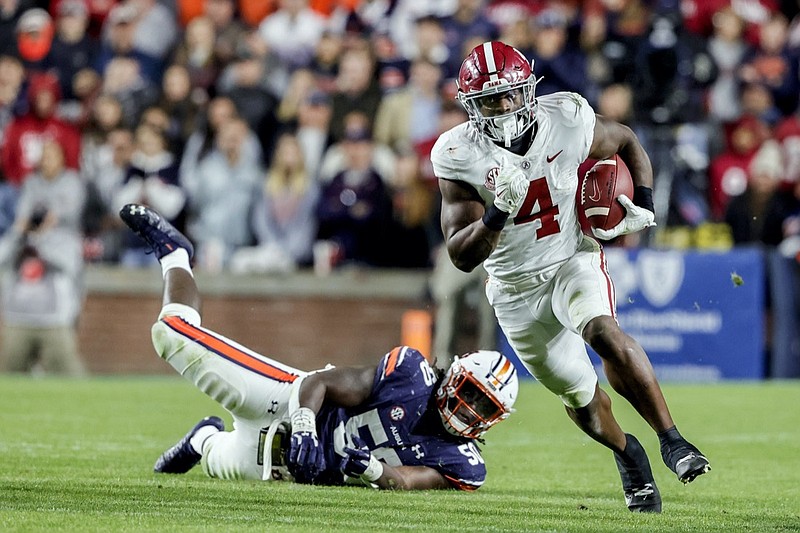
681,456
173,250
184,455
638,484
155,230
630,373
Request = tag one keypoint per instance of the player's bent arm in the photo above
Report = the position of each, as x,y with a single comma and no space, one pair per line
469,241
345,386
411,478
611,138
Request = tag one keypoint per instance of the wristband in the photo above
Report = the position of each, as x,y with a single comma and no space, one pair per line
643,197
304,419
373,471
495,218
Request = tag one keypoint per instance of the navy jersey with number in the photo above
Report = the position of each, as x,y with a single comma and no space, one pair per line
398,427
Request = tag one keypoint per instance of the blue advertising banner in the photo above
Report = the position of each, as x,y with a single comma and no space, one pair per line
698,315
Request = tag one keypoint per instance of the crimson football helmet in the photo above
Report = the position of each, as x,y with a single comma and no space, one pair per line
477,392
496,86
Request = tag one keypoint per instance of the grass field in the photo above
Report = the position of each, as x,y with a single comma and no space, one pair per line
78,456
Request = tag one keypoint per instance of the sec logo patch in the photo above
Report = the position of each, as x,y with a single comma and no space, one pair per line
491,176
397,413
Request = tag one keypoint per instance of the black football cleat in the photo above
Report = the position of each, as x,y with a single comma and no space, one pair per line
685,460
155,230
638,484
181,458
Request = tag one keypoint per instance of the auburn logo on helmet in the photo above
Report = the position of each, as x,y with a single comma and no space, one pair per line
490,177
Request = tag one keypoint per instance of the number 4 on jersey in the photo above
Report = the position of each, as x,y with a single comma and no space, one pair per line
539,193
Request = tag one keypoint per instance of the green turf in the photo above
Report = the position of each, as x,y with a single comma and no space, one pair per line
77,456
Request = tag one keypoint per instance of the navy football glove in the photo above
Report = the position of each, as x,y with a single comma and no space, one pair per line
359,462
306,458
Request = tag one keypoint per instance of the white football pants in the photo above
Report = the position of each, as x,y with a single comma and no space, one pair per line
254,389
543,318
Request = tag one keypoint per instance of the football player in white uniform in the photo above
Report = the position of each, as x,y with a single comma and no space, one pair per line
399,424
508,179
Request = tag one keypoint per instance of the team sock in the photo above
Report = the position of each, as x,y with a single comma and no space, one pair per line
670,437
199,438
177,259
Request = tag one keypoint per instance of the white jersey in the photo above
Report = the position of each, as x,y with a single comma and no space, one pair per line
545,231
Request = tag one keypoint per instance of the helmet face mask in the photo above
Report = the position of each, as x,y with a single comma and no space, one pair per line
496,86
477,392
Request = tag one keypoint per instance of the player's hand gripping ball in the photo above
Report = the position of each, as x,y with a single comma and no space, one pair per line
606,192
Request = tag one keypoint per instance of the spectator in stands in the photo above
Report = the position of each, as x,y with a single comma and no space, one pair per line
561,66
104,179
469,20
73,50
120,41
178,103
325,63
430,43
41,263
26,134
151,179
10,12
699,15
200,143
746,213
781,227
284,213
155,29
356,88
727,172
229,29
313,124
334,160
34,39
12,97
254,81
221,199
773,66
411,114
106,115
411,210
292,32
123,80
355,209
302,83
196,53
727,48
392,69
787,133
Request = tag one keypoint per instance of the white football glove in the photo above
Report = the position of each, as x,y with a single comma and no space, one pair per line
510,187
636,219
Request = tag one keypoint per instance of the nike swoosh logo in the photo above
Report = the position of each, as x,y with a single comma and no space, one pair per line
550,159
595,196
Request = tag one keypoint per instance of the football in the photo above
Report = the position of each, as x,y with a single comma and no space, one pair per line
600,187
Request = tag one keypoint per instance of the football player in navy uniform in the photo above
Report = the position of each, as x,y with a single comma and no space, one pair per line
508,178
398,425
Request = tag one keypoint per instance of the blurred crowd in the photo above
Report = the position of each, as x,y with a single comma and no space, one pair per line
270,130
261,128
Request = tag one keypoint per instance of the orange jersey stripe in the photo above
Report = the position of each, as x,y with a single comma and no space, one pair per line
231,353
391,363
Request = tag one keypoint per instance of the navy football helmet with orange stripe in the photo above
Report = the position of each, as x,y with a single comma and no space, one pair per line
477,391
496,86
